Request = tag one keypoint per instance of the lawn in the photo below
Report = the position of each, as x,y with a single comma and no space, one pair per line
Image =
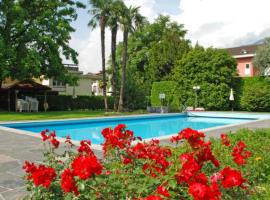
15,116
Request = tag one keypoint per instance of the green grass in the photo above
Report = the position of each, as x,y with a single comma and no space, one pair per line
15,116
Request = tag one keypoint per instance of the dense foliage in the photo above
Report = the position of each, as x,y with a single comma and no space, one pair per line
197,169
169,89
34,35
262,58
252,94
152,51
213,70
55,103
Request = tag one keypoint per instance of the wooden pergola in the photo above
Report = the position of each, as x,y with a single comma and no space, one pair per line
19,89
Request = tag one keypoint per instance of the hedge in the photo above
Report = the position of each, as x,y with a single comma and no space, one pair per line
66,102
169,89
252,94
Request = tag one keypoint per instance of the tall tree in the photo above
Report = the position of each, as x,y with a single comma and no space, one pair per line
113,22
34,35
130,20
213,70
100,12
262,58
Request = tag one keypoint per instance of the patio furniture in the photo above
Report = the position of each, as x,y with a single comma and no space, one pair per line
33,104
22,105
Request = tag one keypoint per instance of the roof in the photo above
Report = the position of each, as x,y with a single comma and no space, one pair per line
243,50
25,85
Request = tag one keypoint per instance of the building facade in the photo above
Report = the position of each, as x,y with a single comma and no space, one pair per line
84,85
244,56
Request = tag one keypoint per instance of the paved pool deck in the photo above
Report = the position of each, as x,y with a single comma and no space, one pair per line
15,148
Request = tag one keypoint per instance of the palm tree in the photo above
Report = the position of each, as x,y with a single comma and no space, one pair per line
113,22
129,20
100,12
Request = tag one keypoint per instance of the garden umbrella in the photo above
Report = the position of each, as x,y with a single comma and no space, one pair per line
231,98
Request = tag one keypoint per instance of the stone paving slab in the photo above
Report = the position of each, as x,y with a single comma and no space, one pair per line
14,150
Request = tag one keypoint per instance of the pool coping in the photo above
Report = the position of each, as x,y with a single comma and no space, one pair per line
210,132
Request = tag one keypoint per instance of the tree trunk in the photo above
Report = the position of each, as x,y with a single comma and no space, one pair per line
104,81
113,52
123,78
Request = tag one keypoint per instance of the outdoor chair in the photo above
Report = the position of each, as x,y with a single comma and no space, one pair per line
22,105
33,104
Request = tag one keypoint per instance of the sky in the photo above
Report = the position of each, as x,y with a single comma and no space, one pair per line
216,23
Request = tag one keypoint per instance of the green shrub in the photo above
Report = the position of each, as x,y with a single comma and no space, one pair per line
169,89
211,69
252,94
66,102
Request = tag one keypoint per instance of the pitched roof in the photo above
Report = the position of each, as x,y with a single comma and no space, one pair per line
26,85
243,50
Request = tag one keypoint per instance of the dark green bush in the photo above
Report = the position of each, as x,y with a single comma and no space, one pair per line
65,102
169,89
252,94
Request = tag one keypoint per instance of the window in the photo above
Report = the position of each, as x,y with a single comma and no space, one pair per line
57,83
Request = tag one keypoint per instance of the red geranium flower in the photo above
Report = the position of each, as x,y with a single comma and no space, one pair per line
198,191
68,183
43,176
55,142
29,167
240,154
225,140
85,147
231,178
163,191
86,166
44,136
153,197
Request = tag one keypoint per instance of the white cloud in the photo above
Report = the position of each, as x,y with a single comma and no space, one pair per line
230,20
146,7
218,23
90,50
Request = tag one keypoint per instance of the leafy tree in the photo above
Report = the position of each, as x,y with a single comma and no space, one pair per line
129,20
34,35
150,49
211,69
164,54
100,12
116,9
262,58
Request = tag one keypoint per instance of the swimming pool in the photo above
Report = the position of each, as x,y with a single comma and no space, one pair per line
149,126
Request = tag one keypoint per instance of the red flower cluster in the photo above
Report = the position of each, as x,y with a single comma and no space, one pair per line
154,153
46,135
85,147
68,183
192,163
231,178
194,137
153,197
86,166
225,140
161,190
41,175
240,154
117,137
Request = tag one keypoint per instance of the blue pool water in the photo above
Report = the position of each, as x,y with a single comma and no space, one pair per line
143,126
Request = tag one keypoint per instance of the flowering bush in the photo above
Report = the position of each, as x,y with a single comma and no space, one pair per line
133,169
